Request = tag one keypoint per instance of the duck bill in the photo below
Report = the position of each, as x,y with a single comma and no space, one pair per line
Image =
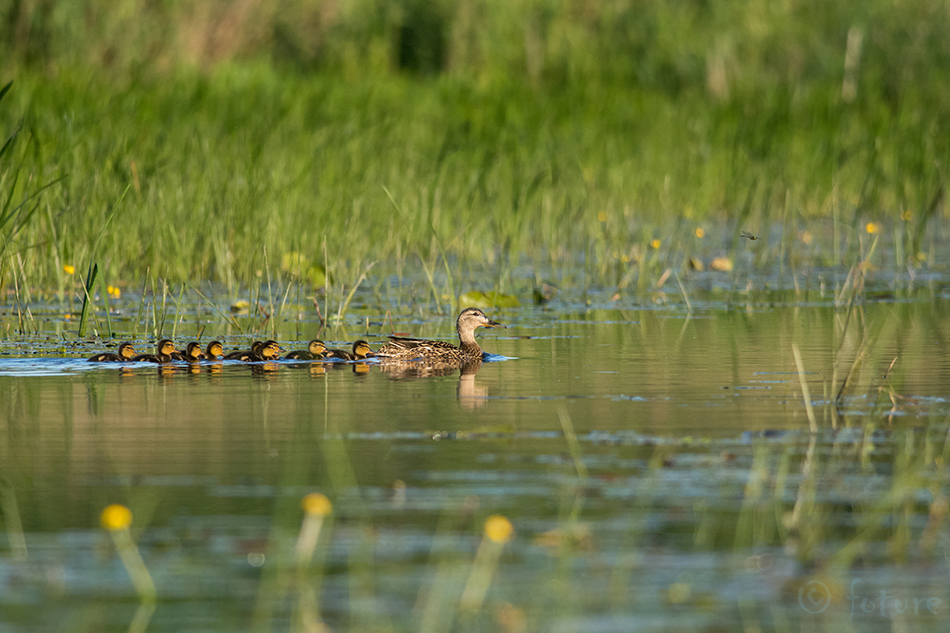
495,324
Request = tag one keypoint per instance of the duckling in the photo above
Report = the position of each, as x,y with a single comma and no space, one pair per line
401,348
214,351
271,350
361,350
124,353
251,355
315,349
163,352
192,353
260,351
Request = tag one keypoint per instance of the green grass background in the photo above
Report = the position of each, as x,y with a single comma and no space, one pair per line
209,140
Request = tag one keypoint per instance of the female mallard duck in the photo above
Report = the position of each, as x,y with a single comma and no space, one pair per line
192,353
124,353
315,349
163,352
360,351
214,351
400,348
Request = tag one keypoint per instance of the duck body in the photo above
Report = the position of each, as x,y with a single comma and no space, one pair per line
163,352
401,348
361,351
315,349
124,353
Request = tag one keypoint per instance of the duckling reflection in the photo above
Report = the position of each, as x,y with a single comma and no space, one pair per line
264,368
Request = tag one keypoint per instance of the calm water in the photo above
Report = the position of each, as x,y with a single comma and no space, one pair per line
693,497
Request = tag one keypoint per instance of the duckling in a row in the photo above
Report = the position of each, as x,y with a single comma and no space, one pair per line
163,353
124,353
403,349
192,353
260,351
214,351
315,349
361,351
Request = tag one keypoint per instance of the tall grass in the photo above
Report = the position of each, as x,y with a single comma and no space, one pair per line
532,133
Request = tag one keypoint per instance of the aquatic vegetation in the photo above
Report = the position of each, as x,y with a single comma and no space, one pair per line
606,176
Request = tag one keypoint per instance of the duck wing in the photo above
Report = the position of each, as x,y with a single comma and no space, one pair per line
402,344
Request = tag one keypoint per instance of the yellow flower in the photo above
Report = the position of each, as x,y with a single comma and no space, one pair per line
316,503
906,215
722,264
498,528
69,269
700,233
872,228
116,517
655,243
114,291
602,216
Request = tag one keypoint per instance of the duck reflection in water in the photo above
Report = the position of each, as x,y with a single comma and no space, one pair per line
470,394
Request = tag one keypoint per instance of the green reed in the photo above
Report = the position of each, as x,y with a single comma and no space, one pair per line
532,135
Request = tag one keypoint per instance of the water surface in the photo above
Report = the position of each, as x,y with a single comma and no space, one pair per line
656,463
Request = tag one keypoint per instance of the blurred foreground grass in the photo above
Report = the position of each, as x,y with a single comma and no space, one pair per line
210,141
